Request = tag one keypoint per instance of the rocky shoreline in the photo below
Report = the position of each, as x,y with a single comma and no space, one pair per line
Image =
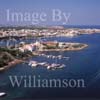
10,64
13,63
10,57
17,61
47,46
66,49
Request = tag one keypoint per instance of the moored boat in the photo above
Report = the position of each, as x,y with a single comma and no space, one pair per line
2,94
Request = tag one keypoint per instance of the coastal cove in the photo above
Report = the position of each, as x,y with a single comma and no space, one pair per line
49,50
16,55
15,47
77,67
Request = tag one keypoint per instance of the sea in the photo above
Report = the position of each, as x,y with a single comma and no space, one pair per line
83,64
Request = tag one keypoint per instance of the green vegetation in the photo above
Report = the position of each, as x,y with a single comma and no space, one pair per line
78,45
7,55
15,52
51,47
5,58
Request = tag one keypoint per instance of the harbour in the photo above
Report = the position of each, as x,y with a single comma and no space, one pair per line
76,67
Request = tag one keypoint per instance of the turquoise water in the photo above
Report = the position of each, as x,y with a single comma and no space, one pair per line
84,64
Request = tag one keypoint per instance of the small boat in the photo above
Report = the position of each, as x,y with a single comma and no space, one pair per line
42,63
59,56
2,94
53,66
53,57
33,63
61,66
46,64
66,58
49,67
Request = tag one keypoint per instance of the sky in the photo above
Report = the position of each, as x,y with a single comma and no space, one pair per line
67,12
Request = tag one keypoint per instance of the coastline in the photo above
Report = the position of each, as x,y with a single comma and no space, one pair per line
17,61
11,64
66,49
